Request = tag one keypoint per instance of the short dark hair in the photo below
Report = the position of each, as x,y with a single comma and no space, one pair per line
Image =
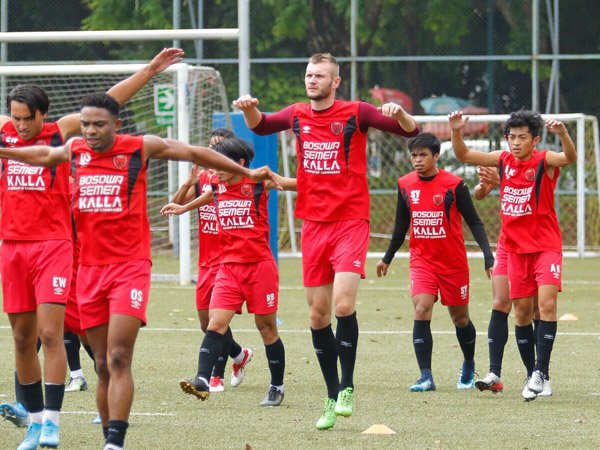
101,100
425,140
523,118
222,132
236,149
30,94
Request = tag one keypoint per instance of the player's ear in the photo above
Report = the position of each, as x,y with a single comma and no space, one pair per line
536,140
118,123
336,82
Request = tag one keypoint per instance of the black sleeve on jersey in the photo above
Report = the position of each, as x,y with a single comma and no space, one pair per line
468,211
400,228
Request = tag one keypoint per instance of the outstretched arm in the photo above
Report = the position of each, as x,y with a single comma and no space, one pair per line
468,211
398,235
282,183
395,111
569,154
126,89
177,209
457,122
185,193
38,155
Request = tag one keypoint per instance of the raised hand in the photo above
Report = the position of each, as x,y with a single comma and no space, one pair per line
489,175
245,103
392,110
457,120
556,126
165,58
172,208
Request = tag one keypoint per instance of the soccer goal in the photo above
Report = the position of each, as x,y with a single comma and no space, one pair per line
577,192
181,102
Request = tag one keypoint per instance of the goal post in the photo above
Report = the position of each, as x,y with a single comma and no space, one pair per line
577,195
180,102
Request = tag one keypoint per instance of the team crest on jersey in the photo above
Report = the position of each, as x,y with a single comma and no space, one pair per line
529,174
120,161
438,199
336,127
85,159
246,190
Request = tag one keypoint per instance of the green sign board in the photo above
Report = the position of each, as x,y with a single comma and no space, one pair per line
164,104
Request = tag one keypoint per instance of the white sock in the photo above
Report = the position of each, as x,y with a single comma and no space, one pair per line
279,388
51,416
239,358
36,417
77,373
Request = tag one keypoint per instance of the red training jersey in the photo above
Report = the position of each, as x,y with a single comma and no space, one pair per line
332,163
36,205
436,237
529,220
243,221
208,239
110,201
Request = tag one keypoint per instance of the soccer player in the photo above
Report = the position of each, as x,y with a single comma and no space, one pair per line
36,253
197,183
247,272
501,306
533,240
333,200
113,280
431,202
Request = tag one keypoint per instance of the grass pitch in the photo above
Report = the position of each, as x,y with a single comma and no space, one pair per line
164,418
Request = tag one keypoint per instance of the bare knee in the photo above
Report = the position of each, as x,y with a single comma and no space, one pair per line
119,359
268,331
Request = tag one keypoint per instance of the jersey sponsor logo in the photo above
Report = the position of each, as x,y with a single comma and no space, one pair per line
336,127
84,159
235,214
428,224
415,196
120,161
59,284
438,199
529,174
321,157
555,271
306,129
464,292
23,177
11,140
209,227
508,172
246,190
270,300
100,193
137,297
515,202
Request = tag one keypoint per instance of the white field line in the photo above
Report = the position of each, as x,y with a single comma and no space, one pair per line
95,413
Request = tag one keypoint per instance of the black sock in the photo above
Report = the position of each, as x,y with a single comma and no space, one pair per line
536,325
466,339
19,391
423,343
497,338
276,358
90,353
219,369
105,432
326,350
346,337
116,432
235,348
72,346
55,393
545,342
33,396
524,336
209,352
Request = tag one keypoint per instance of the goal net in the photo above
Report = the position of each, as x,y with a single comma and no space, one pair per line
180,103
577,197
